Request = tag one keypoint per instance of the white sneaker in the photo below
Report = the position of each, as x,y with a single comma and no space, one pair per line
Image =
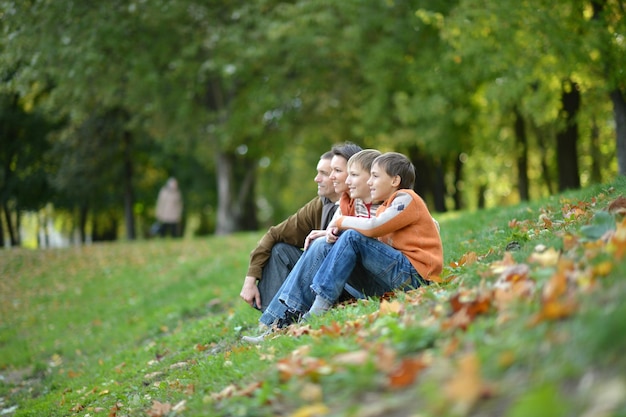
257,340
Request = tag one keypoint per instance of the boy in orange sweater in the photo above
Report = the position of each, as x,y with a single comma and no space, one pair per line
400,248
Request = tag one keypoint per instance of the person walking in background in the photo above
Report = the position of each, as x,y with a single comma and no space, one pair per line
169,209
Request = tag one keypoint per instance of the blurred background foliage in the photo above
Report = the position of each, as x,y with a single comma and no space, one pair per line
494,101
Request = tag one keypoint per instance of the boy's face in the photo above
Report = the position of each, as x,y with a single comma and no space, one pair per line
339,173
381,184
357,183
325,186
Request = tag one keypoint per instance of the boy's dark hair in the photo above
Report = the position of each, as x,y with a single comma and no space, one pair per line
346,150
394,163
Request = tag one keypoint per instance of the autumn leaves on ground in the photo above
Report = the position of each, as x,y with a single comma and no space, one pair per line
527,320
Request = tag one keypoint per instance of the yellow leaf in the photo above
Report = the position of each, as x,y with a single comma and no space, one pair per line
548,257
603,269
393,307
312,410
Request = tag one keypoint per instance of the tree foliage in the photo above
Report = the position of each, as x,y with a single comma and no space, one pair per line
249,94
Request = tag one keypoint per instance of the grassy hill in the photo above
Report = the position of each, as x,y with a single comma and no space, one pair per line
529,320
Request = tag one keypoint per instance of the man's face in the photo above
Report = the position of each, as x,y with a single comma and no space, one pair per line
325,186
381,184
357,182
339,173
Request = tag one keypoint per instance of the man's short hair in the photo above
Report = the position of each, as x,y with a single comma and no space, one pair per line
327,155
394,163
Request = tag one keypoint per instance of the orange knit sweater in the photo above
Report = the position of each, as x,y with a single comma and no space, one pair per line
404,223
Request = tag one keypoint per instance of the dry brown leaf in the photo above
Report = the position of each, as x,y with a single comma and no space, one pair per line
159,409
618,206
406,372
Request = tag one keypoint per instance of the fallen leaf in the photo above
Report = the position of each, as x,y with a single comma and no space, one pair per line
548,257
618,206
358,357
391,307
313,410
406,372
159,409
467,386
467,259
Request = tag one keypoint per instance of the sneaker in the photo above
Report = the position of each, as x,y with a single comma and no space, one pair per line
257,340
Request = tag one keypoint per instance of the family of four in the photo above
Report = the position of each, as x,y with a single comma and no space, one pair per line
367,233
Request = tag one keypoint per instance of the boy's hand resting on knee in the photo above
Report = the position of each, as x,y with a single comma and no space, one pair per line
332,235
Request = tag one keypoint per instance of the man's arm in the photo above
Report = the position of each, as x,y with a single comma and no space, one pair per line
293,231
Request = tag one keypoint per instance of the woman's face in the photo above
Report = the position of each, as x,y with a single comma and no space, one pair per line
339,173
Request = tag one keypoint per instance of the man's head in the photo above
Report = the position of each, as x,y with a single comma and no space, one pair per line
325,186
358,167
338,164
390,172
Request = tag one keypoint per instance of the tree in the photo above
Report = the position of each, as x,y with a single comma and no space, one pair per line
23,168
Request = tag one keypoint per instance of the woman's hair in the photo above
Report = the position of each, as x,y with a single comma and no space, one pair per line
394,163
364,159
345,150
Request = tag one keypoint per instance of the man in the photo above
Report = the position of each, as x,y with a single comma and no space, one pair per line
280,248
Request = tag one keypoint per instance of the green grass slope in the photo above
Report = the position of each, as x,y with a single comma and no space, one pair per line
528,320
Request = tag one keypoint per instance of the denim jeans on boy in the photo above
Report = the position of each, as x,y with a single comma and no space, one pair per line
296,288
386,268
281,261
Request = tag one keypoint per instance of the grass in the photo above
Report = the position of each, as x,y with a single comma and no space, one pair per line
153,328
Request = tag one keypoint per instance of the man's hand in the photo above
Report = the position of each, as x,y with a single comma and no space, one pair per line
250,292
312,236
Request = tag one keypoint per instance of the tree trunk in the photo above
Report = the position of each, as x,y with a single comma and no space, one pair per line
458,178
594,151
1,235
429,181
567,154
129,194
226,210
619,113
439,188
83,211
9,224
521,145
545,168
236,207
246,197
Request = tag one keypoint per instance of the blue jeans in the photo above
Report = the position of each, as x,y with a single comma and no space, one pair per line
295,295
282,260
386,268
